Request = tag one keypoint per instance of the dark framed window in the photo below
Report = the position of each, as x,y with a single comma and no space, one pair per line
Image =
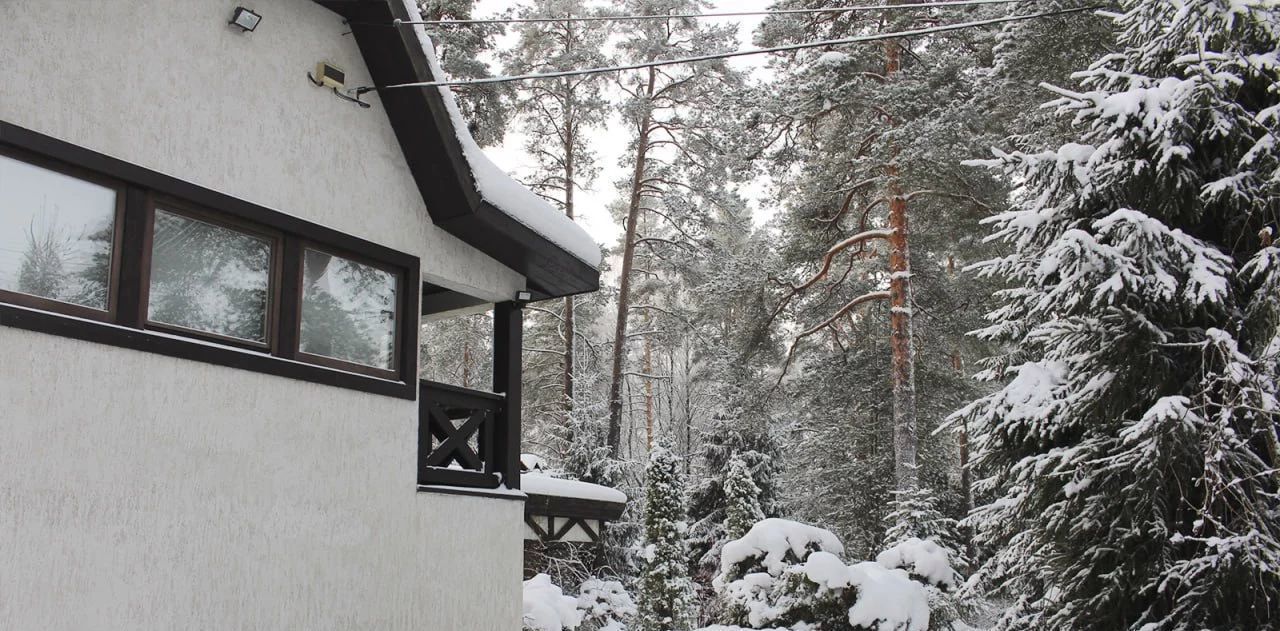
59,236
210,277
348,312
170,267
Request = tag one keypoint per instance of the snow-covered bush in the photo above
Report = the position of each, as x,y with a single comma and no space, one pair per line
546,608
600,606
930,564
924,560
786,574
605,605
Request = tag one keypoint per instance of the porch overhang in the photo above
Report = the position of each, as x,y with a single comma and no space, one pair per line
425,132
568,510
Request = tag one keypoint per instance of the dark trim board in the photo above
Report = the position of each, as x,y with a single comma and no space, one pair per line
448,490
174,346
572,507
431,148
437,299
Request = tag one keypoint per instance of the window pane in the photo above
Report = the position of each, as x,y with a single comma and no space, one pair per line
348,310
56,235
209,278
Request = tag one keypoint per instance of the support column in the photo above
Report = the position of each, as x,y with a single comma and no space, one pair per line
508,344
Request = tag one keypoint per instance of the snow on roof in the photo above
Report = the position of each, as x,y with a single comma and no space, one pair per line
500,189
533,462
541,484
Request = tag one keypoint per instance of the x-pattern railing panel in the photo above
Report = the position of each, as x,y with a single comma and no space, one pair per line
457,435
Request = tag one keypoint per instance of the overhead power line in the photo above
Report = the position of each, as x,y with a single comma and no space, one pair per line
739,53
698,16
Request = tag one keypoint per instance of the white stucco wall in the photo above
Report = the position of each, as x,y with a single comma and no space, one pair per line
140,492
168,85
144,492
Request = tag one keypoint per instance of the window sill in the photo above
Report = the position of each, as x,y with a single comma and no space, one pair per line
197,350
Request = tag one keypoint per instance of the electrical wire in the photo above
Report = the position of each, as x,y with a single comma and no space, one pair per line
739,53
697,16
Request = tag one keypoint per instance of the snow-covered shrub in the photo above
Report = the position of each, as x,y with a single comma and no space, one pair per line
924,560
786,574
928,563
546,608
605,605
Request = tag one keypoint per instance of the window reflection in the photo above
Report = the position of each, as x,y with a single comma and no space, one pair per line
56,235
209,278
348,310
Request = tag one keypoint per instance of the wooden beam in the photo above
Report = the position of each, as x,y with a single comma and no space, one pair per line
508,343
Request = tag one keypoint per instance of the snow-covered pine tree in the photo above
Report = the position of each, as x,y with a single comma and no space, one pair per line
558,118
458,350
668,143
461,52
832,117
1135,447
666,593
742,499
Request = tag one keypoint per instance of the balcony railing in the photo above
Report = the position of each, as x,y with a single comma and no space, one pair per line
463,438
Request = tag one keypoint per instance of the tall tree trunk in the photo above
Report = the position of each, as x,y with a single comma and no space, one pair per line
688,413
466,360
648,389
570,132
966,479
624,281
905,440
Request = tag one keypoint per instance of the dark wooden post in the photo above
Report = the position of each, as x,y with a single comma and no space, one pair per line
508,344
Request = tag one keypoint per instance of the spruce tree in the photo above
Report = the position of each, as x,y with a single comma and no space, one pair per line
742,499
666,593
917,514
1133,449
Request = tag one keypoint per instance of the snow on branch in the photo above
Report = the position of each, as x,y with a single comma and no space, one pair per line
840,313
827,259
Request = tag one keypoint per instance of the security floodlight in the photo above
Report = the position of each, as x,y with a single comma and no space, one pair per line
523,296
245,19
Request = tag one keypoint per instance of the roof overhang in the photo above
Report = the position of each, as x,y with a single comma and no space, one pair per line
572,507
434,154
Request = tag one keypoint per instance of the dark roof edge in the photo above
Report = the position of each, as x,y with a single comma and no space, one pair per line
421,123
573,507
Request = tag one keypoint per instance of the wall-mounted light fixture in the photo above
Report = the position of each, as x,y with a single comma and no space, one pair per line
328,75
245,19
523,296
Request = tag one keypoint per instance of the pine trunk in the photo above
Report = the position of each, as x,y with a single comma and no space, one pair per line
624,281
569,135
648,391
905,441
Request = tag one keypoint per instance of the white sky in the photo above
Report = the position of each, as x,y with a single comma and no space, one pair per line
592,206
